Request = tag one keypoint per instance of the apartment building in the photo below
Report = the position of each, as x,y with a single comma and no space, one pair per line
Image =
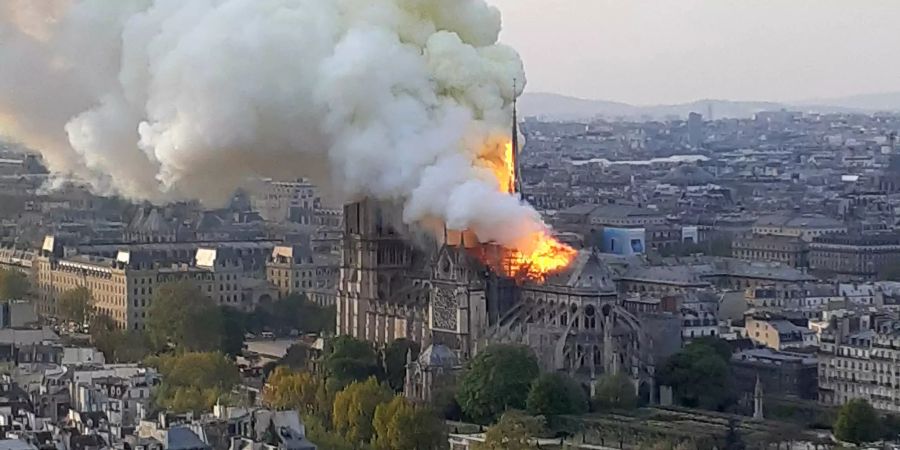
854,257
122,286
778,333
294,269
861,360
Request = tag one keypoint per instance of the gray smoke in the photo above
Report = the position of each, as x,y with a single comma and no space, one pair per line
173,99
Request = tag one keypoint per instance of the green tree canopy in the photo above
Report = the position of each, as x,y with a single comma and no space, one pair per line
75,305
720,346
514,431
857,422
287,389
234,325
614,392
180,315
497,379
349,359
354,409
890,426
395,362
398,425
294,312
699,375
121,346
131,346
297,357
325,438
13,284
553,394
103,331
193,381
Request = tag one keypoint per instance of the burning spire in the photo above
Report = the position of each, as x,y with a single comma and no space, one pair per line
516,177
539,254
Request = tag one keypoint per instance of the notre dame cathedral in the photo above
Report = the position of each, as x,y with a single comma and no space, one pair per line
441,296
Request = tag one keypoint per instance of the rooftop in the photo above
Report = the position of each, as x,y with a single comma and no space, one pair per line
873,239
798,221
768,354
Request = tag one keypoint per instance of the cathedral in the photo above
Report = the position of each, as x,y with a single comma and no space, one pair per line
440,295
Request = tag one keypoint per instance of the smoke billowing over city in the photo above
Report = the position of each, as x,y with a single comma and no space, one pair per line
166,100
321,224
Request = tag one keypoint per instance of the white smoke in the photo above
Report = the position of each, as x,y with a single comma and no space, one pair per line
175,99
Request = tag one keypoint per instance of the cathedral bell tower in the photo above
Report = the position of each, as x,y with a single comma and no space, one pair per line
375,259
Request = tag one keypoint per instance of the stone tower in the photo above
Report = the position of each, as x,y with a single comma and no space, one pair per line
758,400
376,300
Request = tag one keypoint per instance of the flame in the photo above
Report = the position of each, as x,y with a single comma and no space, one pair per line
508,169
548,256
541,254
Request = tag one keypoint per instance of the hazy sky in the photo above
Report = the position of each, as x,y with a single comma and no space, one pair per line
667,51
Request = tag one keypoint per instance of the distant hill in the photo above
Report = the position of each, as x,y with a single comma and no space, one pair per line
564,107
886,101
561,107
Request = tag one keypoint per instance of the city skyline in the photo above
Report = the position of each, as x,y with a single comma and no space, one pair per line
652,52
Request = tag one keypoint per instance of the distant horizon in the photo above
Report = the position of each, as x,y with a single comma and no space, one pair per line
649,52
808,101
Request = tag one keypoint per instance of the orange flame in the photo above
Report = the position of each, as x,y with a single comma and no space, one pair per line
548,256
509,169
542,254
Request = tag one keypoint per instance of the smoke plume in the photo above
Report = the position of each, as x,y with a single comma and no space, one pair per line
171,99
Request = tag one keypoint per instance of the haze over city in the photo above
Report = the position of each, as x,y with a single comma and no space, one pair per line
350,225
659,52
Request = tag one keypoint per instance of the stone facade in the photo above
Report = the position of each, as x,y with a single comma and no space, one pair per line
861,364
122,278
296,269
782,374
378,300
788,250
854,257
293,201
447,300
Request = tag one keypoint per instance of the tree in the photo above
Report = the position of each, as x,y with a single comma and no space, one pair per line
699,375
354,409
614,392
395,362
296,357
443,399
103,334
286,389
75,305
233,328
13,284
667,445
720,346
857,422
193,381
349,359
554,394
514,431
129,346
733,440
890,425
181,316
326,439
496,380
121,346
296,312
398,425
